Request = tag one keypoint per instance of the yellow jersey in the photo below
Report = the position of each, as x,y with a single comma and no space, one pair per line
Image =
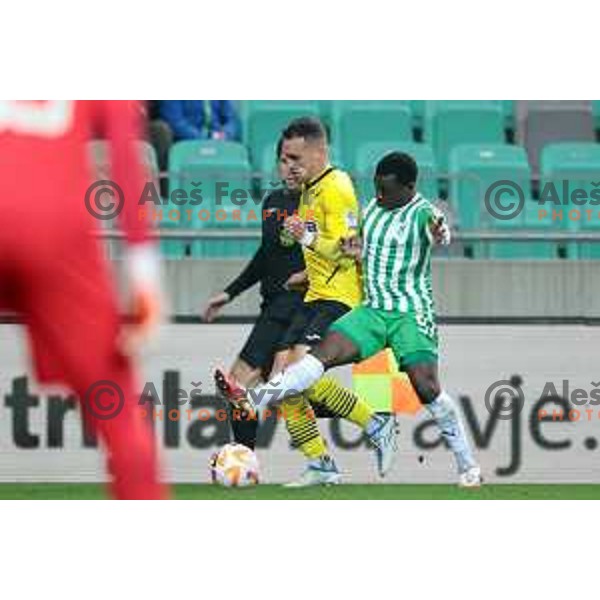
328,203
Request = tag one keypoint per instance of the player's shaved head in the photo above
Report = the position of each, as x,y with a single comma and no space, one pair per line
395,179
305,147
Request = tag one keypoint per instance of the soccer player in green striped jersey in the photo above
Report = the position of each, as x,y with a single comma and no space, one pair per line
399,228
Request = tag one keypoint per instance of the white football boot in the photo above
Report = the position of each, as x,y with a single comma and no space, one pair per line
471,478
321,471
382,431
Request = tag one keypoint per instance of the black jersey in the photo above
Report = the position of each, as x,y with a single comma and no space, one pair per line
276,258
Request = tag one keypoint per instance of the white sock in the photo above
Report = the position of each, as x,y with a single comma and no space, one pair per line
443,409
293,380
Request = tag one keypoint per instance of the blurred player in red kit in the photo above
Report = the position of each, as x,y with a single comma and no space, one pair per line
53,274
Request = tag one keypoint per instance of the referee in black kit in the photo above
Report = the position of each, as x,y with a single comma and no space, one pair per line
278,265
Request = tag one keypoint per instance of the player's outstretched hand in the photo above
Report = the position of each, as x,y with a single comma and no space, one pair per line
214,306
146,300
297,282
351,247
440,230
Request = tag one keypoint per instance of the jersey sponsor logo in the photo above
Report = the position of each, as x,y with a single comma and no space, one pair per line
51,118
312,337
311,226
286,239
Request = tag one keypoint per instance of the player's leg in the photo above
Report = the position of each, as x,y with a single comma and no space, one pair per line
248,368
299,417
415,344
73,326
336,349
358,334
132,457
246,374
304,432
281,360
362,332
305,435
244,429
365,332
327,392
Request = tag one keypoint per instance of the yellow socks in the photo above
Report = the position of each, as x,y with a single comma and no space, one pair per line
302,427
341,401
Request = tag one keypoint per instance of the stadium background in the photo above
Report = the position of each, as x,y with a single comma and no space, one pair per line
515,297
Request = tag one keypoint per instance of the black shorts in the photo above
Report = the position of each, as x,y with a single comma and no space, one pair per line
272,324
312,322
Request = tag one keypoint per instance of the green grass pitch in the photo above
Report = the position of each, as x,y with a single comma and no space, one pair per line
79,491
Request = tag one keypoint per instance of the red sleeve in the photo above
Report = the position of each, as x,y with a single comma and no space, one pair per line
122,126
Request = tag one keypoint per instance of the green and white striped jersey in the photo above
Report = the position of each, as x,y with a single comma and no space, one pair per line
397,257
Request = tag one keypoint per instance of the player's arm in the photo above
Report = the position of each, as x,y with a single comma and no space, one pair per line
251,274
340,222
352,245
120,121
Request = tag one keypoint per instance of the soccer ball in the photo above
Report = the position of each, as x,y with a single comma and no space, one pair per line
234,465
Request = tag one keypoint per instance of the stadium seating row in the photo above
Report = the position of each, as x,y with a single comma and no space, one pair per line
440,123
221,174
463,153
353,123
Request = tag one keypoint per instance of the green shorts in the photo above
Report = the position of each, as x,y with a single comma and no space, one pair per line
412,338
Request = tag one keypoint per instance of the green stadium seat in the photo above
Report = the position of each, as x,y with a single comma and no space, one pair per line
264,121
365,123
578,164
417,108
368,155
449,123
327,108
268,166
99,156
474,168
325,111
335,109
528,221
222,168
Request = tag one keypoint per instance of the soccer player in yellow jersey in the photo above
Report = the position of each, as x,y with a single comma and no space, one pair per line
327,215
